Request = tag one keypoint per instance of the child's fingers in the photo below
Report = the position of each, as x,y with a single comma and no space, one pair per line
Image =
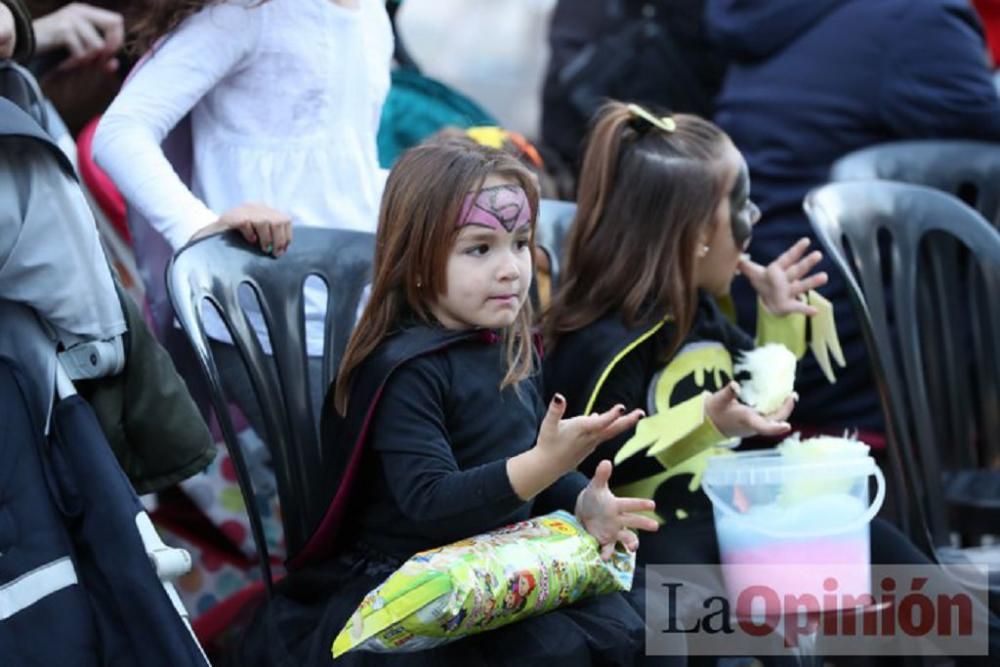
265,235
799,306
279,235
111,25
764,426
749,268
725,396
246,229
792,255
784,411
595,423
640,522
88,39
804,265
621,424
813,281
770,428
602,474
799,287
629,539
626,505
607,550
557,407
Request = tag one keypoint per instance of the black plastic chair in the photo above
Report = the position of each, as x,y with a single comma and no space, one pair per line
213,270
554,219
923,271
970,170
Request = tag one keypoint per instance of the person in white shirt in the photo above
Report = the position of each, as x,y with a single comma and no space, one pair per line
283,99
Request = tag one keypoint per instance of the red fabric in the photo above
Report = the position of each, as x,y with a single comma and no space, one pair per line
989,12
108,198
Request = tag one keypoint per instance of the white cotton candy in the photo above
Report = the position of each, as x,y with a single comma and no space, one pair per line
823,451
772,377
820,447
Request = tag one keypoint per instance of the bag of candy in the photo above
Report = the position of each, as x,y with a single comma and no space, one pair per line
482,583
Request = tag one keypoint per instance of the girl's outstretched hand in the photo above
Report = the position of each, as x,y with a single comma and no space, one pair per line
736,420
567,442
611,519
783,281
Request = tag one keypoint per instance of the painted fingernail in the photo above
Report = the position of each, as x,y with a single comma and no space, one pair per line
621,409
558,398
269,248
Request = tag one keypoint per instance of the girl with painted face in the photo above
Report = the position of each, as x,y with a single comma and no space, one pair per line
664,217
436,429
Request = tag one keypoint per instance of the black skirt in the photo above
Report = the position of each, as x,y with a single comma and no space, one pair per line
297,627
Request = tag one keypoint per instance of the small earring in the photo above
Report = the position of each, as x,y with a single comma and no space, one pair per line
419,283
703,251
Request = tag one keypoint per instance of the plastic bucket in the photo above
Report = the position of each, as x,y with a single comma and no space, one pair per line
795,526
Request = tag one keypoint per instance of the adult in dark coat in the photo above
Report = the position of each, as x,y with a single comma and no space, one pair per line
650,51
809,82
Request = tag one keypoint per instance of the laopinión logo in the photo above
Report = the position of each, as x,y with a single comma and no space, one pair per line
830,609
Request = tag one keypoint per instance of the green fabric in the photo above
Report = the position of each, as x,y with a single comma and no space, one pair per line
789,330
416,108
152,424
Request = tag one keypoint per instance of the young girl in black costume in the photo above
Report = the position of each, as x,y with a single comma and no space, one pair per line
434,424
663,217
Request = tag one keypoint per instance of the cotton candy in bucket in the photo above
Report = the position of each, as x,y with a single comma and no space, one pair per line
789,523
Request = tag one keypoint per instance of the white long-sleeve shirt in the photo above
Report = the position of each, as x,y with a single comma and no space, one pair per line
284,101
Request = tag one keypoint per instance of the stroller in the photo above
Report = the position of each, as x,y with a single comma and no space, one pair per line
80,565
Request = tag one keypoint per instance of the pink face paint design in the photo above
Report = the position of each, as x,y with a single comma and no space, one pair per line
498,207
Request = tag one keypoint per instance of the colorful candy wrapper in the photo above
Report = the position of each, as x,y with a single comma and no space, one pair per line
482,583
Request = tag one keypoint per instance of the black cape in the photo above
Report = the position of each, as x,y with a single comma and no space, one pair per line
346,437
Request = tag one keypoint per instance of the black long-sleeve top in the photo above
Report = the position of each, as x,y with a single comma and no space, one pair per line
580,357
442,434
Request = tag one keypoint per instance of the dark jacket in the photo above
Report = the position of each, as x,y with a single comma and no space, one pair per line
606,363
420,457
809,82
89,594
650,51
24,47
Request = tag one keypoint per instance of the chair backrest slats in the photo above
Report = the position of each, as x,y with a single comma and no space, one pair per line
554,220
932,328
224,271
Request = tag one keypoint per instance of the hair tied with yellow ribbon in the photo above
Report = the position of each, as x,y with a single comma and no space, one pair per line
666,123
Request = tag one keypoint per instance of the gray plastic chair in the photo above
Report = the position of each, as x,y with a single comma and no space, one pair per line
970,170
213,269
554,220
923,270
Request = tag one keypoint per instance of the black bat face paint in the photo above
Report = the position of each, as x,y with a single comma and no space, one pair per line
743,212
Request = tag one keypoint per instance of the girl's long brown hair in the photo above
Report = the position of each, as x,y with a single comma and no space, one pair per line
417,229
151,19
645,196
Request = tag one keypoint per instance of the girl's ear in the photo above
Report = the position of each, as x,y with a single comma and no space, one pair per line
703,244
